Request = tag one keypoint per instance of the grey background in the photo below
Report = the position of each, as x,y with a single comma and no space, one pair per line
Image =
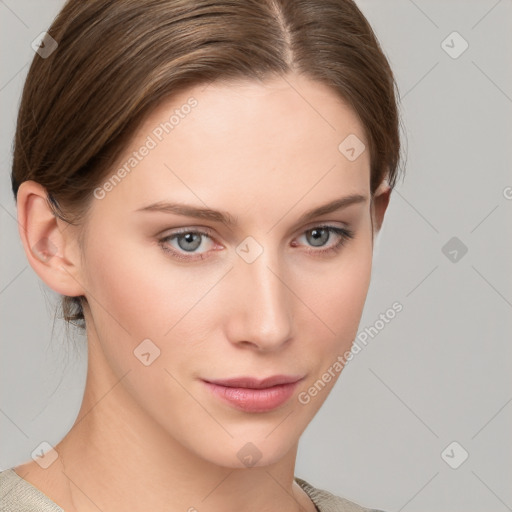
440,370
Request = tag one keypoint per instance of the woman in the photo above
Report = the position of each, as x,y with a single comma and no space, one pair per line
202,182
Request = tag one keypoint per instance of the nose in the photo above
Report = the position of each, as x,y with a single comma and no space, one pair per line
261,304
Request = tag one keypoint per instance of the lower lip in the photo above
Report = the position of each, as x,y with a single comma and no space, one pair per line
254,400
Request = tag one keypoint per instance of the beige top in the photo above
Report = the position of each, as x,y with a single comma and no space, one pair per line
18,495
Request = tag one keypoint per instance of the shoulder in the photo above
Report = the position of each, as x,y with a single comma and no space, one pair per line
328,502
18,495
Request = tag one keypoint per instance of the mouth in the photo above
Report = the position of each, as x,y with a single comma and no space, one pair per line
250,394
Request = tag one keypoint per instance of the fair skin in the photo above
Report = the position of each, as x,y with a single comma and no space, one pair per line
154,437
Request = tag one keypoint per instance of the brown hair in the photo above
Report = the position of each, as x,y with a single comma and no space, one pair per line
117,60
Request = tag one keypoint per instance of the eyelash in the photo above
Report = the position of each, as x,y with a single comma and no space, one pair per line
344,234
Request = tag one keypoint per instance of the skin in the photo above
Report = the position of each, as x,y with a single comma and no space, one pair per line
274,145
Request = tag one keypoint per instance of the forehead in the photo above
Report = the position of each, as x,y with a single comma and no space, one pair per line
246,143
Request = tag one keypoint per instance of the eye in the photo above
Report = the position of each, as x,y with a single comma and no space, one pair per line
319,235
188,241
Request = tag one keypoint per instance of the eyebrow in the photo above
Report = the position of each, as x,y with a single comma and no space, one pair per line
227,219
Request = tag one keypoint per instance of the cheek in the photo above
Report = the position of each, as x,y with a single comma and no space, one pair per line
336,291
137,293
337,301
133,286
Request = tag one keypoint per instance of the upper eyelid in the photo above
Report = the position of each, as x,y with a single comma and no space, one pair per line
320,223
210,233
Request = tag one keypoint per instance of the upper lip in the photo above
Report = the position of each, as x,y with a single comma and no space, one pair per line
254,383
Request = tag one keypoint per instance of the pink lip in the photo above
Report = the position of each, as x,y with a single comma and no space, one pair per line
254,395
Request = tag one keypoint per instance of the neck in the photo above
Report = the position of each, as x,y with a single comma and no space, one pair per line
117,458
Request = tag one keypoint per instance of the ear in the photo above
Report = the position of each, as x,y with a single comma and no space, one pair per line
50,243
380,202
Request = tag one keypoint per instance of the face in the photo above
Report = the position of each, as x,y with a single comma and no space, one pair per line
185,302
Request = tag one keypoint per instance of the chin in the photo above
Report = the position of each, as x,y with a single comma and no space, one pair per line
246,451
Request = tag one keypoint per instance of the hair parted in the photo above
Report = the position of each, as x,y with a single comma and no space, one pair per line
117,60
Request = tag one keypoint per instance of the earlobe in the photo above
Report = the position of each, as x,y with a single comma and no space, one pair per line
48,243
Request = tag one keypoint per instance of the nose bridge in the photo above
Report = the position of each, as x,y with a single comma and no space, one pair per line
267,314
